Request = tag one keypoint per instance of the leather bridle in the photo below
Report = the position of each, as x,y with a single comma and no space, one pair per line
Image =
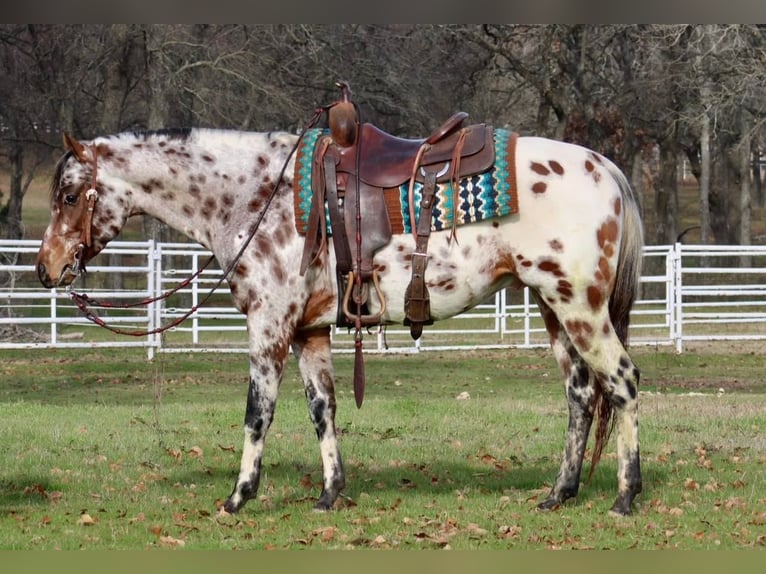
86,238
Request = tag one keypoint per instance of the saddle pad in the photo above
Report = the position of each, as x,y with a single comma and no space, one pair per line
482,196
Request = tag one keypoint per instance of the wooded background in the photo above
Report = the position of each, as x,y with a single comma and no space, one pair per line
651,97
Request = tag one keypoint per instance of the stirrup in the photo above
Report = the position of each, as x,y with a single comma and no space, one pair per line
366,319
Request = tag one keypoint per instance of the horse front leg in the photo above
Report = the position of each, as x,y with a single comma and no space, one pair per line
266,369
312,349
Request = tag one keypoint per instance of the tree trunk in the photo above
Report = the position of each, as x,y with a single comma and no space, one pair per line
155,78
666,195
114,90
637,179
13,226
744,190
704,180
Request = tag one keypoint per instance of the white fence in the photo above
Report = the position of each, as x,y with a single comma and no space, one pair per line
689,293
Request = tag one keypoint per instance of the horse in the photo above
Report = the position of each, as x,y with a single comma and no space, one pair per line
576,242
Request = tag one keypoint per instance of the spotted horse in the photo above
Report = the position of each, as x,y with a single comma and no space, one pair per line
576,241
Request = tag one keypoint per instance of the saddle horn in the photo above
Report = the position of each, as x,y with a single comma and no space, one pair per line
342,118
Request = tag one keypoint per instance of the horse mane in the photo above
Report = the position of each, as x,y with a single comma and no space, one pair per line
54,187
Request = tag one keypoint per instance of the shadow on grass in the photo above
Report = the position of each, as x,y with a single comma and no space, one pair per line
439,479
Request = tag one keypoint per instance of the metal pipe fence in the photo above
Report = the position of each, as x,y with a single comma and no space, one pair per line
689,293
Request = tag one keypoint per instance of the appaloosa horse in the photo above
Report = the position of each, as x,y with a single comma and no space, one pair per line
576,241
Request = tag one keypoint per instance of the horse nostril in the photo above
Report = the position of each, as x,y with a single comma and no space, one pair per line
42,275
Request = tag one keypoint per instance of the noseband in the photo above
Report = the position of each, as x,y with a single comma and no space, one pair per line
91,196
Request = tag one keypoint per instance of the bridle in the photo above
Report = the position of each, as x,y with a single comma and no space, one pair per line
86,239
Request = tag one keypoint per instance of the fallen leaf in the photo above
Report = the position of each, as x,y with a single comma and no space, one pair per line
137,518
36,489
171,542
326,533
305,481
86,520
175,453
475,530
506,531
195,452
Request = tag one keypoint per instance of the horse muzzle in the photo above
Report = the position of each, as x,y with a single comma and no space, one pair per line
68,273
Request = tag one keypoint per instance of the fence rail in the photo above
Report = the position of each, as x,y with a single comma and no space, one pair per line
689,293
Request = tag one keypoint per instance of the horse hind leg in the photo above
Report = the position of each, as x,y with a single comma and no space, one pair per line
312,350
596,341
581,400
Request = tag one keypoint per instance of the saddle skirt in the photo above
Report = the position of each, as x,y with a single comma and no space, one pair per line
486,195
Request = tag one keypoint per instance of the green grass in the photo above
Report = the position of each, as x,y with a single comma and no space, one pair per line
104,450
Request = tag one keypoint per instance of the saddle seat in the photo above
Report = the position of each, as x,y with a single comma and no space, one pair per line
388,161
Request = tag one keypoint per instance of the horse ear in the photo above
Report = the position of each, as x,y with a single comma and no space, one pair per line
71,144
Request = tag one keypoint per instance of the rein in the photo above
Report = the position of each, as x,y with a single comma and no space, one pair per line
83,301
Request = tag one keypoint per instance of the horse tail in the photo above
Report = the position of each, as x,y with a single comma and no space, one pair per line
626,285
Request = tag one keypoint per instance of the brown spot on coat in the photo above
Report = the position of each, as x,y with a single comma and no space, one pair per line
254,205
607,233
595,297
539,187
550,266
565,290
539,168
557,168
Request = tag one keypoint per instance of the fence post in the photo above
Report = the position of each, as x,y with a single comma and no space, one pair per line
677,279
502,318
153,285
54,315
527,319
195,299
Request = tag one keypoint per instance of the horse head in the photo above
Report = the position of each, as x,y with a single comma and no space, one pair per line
81,222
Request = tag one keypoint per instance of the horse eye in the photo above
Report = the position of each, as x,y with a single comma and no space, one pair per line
70,199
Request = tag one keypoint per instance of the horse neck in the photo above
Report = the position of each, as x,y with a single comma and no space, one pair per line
200,184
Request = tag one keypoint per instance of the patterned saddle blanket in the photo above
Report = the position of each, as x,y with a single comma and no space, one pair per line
481,196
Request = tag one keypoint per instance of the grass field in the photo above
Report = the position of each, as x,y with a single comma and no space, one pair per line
104,450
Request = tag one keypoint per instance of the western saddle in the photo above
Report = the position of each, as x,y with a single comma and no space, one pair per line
352,167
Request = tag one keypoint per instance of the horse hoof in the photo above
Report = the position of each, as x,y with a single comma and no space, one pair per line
621,507
228,507
549,505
